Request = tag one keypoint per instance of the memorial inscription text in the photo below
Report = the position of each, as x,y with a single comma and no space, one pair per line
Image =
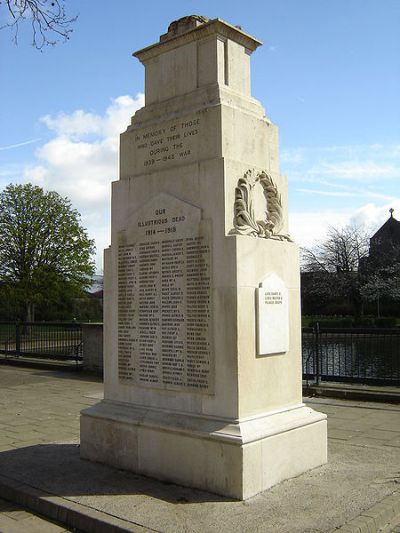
167,144
164,304
273,298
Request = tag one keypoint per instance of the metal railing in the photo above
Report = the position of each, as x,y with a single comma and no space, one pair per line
45,340
363,355
358,355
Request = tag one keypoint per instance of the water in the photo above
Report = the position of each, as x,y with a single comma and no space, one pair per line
362,356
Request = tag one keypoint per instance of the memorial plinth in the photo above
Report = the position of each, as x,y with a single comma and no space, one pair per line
203,374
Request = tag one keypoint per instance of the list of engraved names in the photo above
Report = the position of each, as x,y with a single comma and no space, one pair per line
164,308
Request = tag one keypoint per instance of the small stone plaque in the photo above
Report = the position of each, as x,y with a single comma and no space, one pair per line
272,316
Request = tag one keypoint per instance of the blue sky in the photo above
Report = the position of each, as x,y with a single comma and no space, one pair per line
328,75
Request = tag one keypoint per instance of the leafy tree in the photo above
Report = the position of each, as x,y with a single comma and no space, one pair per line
335,265
48,20
45,252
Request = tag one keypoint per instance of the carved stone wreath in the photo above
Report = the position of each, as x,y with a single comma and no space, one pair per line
244,217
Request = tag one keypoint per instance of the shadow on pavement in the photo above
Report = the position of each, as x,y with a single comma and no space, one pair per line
39,370
80,375
59,470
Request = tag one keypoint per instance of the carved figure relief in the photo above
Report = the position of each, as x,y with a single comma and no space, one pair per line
244,219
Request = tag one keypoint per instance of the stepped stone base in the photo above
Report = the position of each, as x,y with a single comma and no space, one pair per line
234,459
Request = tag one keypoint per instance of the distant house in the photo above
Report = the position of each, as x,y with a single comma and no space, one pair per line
95,291
98,295
387,238
384,246
97,284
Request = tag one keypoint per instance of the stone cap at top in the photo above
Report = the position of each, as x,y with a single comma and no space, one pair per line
182,25
194,27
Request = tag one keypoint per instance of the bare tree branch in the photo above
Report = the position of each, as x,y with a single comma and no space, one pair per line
342,267
48,20
334,264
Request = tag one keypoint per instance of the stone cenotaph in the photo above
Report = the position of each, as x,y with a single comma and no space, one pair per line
203,372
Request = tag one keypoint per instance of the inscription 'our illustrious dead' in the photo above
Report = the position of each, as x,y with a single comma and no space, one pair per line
164,311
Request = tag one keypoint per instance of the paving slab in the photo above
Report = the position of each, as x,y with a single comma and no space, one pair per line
352,482
14,519
48,475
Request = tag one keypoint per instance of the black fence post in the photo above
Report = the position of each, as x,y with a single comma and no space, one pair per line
18,338
317,355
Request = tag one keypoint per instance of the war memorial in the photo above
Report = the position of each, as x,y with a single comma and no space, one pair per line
203,376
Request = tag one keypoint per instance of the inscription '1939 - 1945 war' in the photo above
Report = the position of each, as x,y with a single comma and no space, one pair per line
167,144
164,306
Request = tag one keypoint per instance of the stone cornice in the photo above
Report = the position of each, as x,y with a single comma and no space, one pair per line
213,27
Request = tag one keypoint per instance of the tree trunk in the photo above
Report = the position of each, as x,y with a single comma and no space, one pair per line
29,317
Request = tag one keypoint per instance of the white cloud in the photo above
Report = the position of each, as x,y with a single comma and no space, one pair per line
36,174
362,178
81,160
294,156
347,191
75,125
80,124
357,170
326,193
374,162
122,107
306,228
373,216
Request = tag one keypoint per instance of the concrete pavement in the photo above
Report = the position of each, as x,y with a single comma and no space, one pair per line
41,406
14,519
40,468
